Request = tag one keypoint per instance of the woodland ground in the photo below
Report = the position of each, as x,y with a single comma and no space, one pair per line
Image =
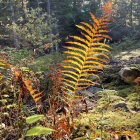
104,116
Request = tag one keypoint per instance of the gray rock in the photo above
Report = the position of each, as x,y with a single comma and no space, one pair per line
137,61
93,89
121,105
86,93
89,92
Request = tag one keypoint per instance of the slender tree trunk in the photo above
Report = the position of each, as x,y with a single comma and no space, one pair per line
22,4
56,45
131,13
49,13
16,44
49,7
38,3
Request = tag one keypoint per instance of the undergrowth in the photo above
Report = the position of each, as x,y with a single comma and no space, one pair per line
26,111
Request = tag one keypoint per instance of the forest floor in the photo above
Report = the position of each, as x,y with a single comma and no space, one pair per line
111,108
115,104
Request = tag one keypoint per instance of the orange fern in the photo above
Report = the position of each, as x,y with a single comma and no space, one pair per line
1,66
86,54
36,96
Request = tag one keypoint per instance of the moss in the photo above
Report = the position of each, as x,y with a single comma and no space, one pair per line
136,66
128,44
110,85
113,119
121,121
133,101
108,98
125,90
124,120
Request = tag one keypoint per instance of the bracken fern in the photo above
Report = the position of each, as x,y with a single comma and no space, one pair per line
21,79
1,66
86,54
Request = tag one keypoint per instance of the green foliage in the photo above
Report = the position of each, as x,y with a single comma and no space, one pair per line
103,122
33,29
34,118
11,106
74,12
39,64
127,44
39,130
16,55
107,98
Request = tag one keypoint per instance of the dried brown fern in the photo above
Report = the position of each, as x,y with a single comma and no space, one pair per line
57,111
24,84
86,54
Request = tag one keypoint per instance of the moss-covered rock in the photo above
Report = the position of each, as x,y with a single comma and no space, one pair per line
129,74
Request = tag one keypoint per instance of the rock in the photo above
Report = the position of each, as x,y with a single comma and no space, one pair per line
93,89
137,61
121,105
86,93
114,61
129,74
89,92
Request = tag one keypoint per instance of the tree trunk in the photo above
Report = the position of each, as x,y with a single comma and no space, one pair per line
38,3
49,13
131,13
16,44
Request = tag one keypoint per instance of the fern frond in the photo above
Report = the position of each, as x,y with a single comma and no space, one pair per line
21,80
1,66
89,26
78,43
86,30
86,55
96,58
36,96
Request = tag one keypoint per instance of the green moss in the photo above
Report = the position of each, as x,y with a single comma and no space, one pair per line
110,85
136,66
107,98
125,90
127,44
121,121
133,101
106,116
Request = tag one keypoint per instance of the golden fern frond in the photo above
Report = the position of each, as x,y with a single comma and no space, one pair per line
36,96
1,66
86,54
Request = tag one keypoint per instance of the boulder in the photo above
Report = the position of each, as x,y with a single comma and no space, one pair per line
93,89
137,59
129,74
89,92
121,105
